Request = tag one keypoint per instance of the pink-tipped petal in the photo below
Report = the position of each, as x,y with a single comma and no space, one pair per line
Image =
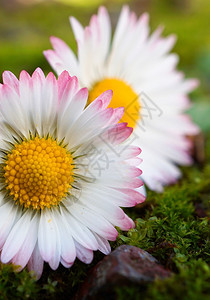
36,263
77,29
105,97
11,80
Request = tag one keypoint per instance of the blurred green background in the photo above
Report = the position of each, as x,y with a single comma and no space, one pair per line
25,27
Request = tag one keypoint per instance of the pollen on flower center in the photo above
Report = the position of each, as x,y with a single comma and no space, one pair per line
123,95
38,173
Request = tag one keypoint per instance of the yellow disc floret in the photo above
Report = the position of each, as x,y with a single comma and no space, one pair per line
123,95
38,173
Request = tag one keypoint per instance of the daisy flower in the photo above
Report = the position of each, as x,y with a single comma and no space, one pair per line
56,201
142,73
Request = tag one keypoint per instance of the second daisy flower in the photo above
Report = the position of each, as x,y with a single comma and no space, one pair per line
138,68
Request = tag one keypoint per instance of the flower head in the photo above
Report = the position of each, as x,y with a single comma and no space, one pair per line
142,73
65,171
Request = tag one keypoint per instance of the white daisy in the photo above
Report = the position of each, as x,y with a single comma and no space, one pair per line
65,172
142,73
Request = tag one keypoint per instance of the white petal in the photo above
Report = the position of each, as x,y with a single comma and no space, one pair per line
22,257
80,232
84,254
16,238
72,112
104,246
36,263
68,251
8,215
96,223
47,236
101,205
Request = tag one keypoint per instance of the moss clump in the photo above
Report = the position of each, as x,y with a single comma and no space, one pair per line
16,286
170,230
191,283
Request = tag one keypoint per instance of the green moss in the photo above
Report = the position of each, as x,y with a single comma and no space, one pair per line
170,229
191,283
16,286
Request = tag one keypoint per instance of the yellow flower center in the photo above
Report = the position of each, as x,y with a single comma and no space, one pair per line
39,173
123,95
